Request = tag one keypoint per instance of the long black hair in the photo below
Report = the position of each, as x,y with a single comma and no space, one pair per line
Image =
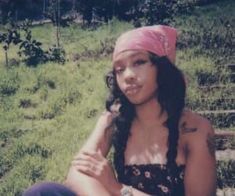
171,97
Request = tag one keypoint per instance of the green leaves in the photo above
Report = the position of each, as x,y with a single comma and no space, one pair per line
11,36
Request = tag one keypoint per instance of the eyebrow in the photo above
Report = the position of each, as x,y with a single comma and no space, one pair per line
117,63
132,55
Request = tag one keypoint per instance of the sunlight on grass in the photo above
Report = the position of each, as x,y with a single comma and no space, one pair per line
48,111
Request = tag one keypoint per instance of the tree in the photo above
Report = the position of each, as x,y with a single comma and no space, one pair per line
55,13
20,9
86,7
31,48
32,51
11,36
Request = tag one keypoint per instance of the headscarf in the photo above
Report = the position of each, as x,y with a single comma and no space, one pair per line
158,39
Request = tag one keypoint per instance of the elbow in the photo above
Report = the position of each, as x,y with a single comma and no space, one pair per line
72,179
82,184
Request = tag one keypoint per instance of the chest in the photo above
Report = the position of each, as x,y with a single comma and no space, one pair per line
145,148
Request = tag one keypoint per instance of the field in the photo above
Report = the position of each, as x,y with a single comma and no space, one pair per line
47,111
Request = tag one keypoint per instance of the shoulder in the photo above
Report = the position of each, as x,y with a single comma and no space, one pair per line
192,122
198,136
195,129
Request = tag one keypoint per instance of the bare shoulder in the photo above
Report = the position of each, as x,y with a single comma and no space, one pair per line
192,123
197,136
195,131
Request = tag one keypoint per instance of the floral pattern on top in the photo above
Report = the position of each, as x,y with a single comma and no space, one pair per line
154,179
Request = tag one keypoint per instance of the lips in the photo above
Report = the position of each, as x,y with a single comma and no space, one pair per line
132,90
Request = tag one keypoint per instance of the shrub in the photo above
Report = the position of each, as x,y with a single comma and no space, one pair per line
150,12
213,38
56,54
31,48
11,36
225,173
206,78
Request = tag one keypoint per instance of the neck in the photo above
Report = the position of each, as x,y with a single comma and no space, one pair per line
149,114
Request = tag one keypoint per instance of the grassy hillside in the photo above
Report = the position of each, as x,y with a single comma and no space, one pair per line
46,112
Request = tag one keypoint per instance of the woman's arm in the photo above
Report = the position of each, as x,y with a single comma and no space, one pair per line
94,165
82,184
99,141
200,173
91,173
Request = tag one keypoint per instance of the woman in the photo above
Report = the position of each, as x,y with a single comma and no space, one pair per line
160,148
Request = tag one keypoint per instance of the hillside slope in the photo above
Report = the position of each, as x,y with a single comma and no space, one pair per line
46,112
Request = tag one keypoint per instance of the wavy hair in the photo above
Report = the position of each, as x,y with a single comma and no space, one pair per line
171,97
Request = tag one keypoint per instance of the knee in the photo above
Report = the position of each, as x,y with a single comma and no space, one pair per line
48,189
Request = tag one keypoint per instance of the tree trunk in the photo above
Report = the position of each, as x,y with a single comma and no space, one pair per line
6,57
57,37
57,21
44,8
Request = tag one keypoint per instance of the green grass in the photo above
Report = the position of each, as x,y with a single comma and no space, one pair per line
47,112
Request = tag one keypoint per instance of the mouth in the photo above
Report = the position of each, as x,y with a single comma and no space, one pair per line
132,90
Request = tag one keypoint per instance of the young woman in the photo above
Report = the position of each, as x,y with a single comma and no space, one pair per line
160,148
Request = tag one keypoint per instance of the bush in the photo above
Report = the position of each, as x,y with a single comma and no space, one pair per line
206,78
150,12
225,174
31,48
56,54
34,54
213,38
11,36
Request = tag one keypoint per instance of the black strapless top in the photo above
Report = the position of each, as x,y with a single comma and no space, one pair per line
154,179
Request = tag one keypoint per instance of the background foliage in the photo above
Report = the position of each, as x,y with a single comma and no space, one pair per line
48,110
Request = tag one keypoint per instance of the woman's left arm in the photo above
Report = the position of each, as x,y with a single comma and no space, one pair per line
200,173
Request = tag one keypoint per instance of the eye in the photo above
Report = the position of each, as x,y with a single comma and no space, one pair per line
119,70
140,62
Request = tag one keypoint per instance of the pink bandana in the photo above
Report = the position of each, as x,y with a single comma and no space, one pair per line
159,39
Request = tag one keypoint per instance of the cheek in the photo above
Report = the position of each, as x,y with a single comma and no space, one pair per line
152,79
119,83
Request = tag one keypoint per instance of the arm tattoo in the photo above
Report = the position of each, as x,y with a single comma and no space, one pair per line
185,129
210,140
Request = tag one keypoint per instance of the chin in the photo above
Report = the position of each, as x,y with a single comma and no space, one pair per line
140,101
136,101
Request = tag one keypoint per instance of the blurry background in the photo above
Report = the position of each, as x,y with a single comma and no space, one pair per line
54,55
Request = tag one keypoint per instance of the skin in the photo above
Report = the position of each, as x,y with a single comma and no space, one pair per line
139,89
91,173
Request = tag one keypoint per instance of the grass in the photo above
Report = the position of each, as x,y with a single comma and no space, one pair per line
47,112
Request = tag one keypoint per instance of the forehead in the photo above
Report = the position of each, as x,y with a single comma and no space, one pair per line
130,54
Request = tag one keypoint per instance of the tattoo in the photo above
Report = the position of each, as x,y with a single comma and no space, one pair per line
210,140
185,129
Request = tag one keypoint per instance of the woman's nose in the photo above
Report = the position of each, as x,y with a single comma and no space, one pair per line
129,74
